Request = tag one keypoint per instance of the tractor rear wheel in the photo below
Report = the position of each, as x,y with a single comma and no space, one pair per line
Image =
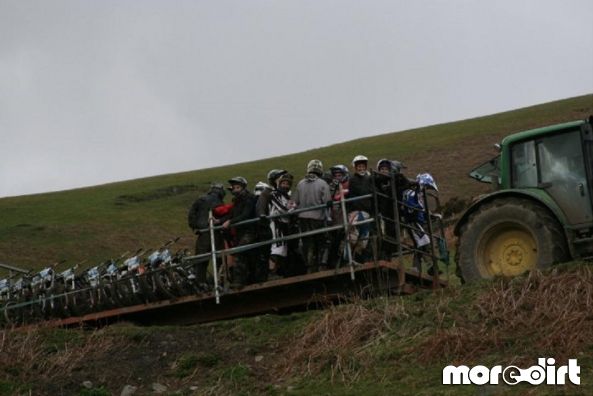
508,237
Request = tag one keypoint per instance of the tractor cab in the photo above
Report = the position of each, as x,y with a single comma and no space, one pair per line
557,161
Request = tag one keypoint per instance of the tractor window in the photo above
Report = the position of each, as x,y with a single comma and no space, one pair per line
563,174
487,171
524,169
561,159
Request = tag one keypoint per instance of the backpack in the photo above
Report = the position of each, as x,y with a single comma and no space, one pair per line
193,215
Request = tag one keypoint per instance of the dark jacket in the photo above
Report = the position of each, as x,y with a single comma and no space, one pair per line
197,217
262,203
243,209
359,186
383,185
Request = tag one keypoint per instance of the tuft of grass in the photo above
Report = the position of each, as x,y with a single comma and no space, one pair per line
549,312
186,365
8,387
101,391
208,360
236,373
400,345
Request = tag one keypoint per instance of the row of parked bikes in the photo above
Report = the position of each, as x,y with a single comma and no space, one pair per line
141,277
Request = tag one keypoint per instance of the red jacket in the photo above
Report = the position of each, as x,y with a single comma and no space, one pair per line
222,210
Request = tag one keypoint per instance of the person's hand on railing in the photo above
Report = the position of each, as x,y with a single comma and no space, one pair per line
226,224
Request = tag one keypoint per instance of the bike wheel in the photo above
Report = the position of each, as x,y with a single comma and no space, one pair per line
146,289
181,285
166,284
125,292
13,315
56,304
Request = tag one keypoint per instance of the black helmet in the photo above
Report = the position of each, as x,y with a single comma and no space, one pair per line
397,166
217,188
394,166
238,180
384,162
343,169
273,175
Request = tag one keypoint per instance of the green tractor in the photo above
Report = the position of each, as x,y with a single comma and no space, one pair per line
541,210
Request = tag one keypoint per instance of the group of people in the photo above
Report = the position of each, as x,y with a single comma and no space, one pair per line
315,203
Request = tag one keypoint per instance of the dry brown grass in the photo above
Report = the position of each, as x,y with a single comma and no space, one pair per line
545,313
338,340
27,353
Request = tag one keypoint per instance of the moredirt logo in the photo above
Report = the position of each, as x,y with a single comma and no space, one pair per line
545,371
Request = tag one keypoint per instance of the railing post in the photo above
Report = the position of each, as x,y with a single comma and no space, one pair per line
378,237
397,225
213,250
435,262
346,232
442,237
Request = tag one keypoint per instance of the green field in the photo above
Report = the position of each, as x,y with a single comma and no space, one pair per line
99,222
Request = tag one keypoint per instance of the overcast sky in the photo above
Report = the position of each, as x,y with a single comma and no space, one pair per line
99,91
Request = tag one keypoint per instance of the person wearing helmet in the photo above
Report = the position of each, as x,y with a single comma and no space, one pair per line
243,209
313,191
262,192
263,230
340,173
263,200
360,184
273,176
414,214
339,186
388,175
282,255
197,219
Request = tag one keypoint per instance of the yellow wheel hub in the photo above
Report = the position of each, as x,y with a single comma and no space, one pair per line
507,249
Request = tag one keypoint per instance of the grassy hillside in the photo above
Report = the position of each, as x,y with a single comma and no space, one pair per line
104,221
389,346
395,345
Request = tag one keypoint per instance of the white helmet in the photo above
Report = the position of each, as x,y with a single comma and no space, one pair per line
359,158
261,187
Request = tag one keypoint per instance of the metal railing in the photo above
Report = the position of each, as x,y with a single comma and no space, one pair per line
402,247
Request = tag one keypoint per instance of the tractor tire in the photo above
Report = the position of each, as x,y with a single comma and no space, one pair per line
508,237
